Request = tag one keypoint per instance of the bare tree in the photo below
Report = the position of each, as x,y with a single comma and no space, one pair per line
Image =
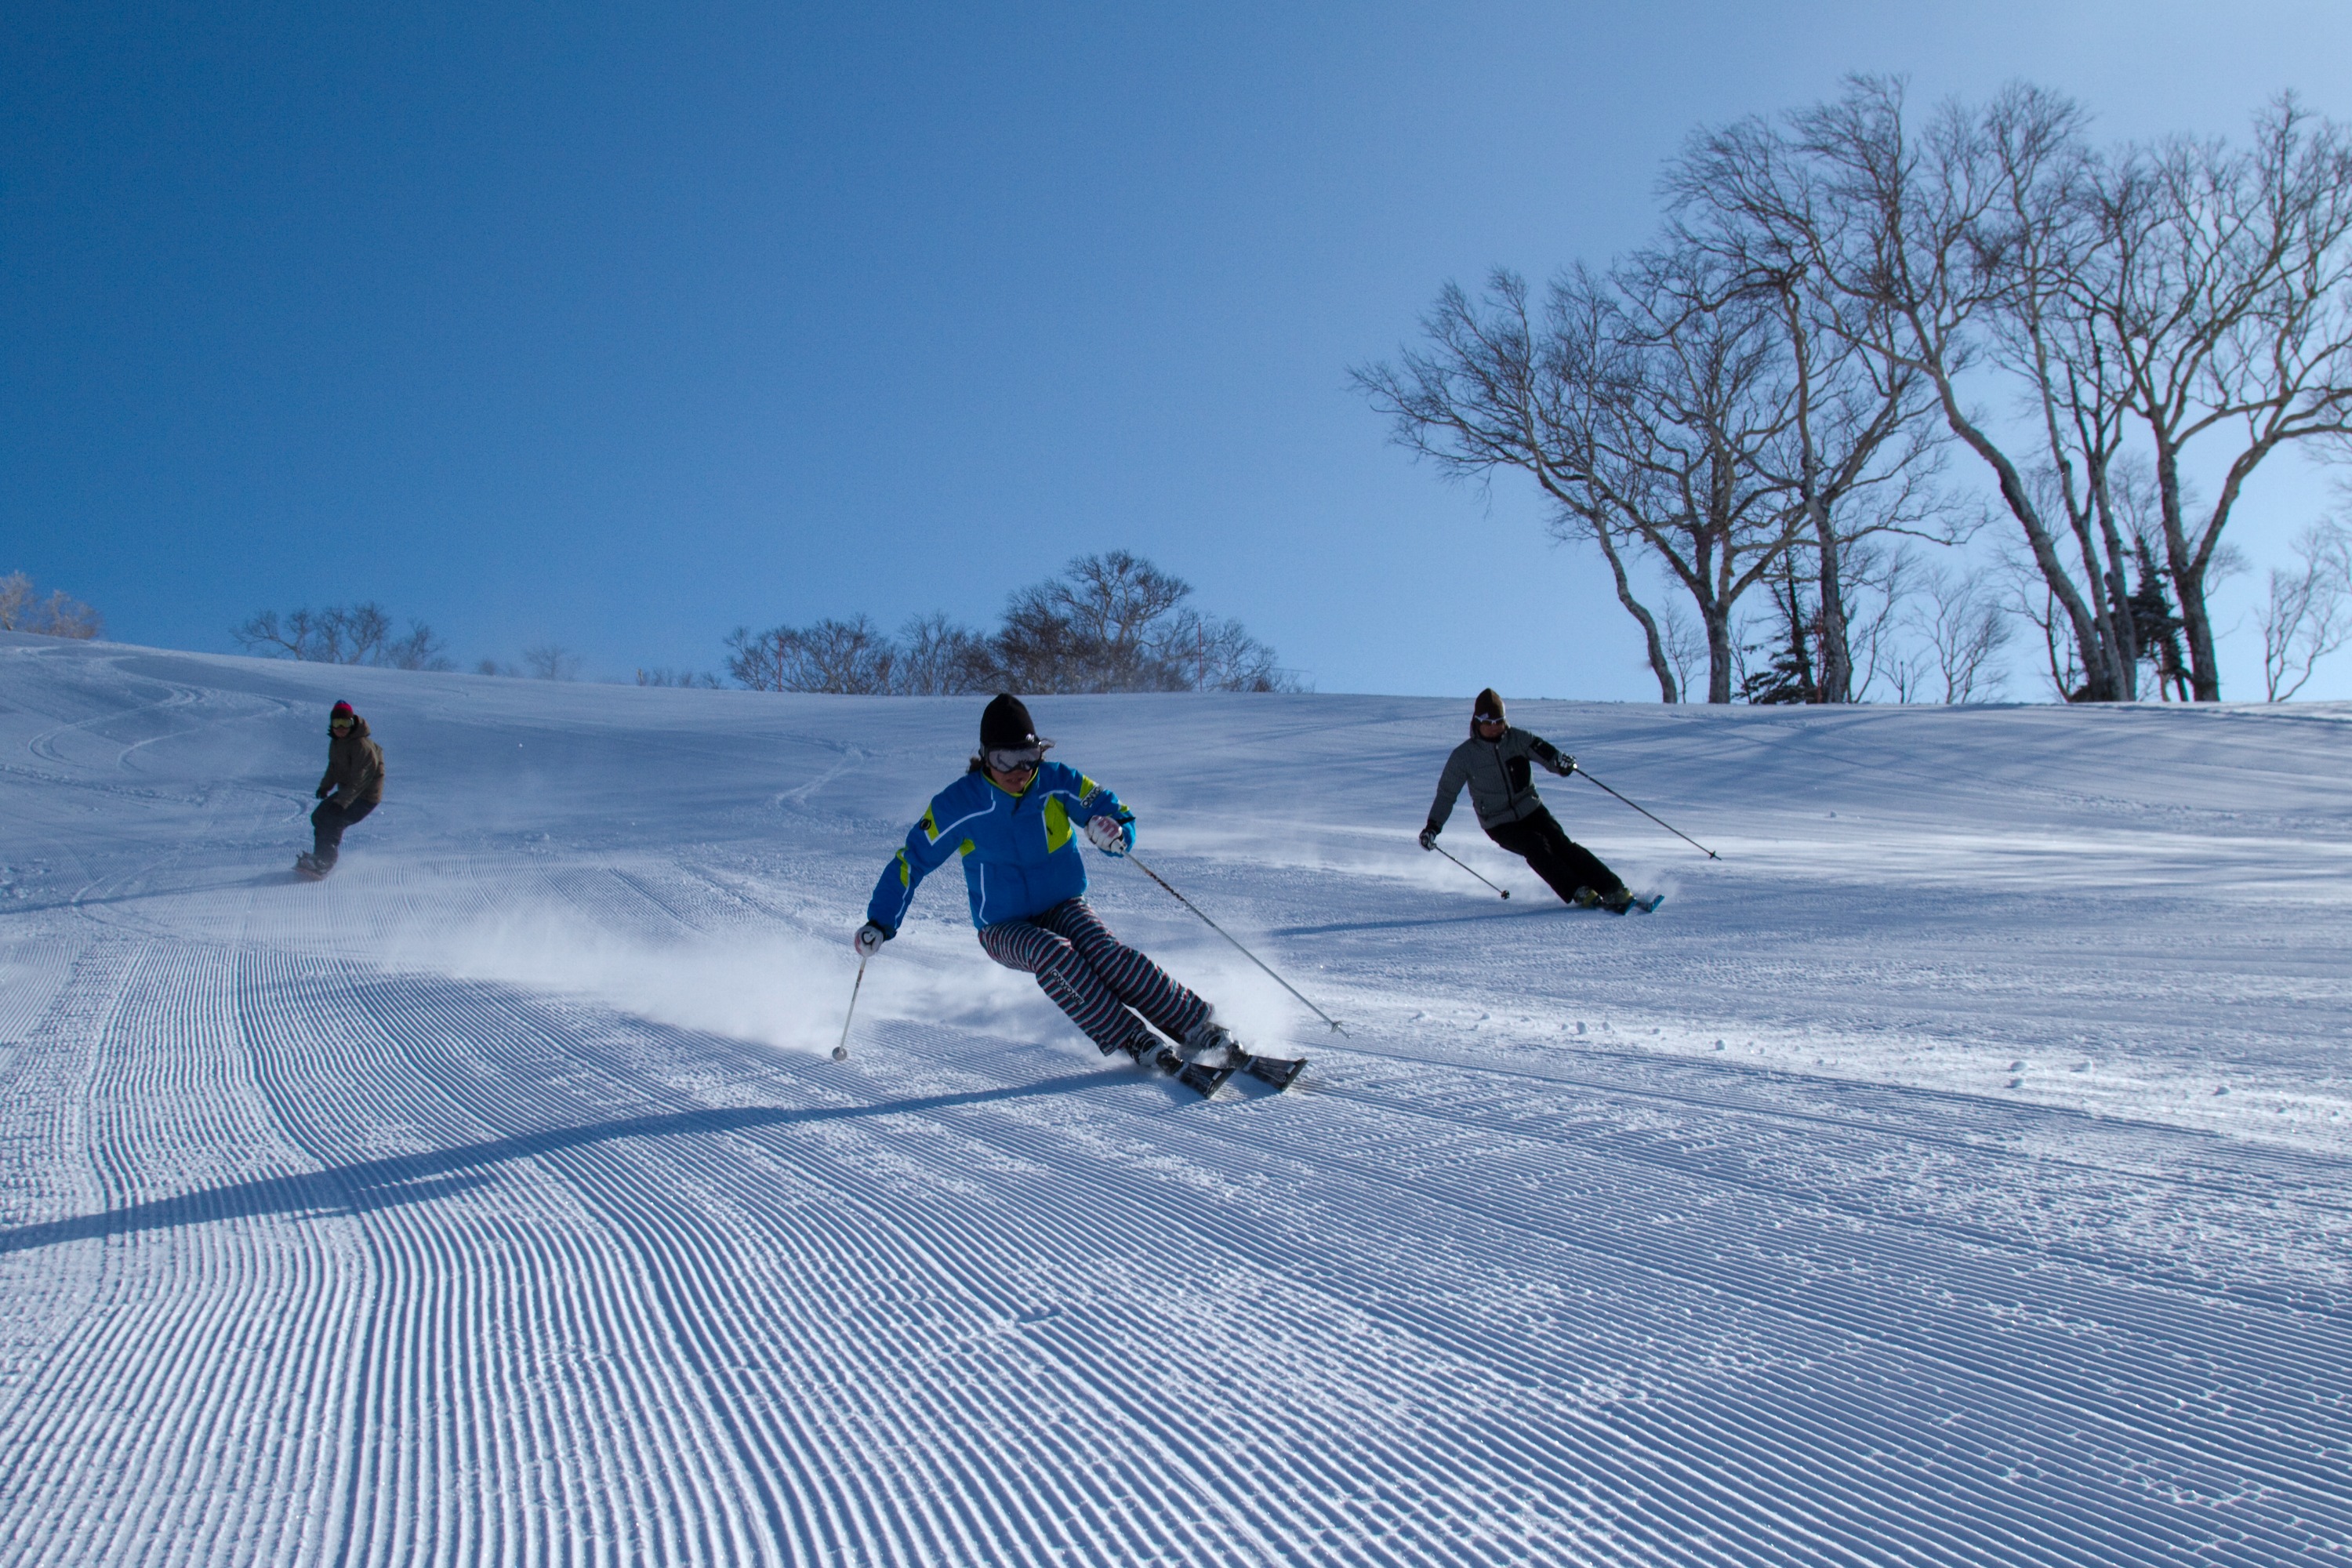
1957,245
852,656
1493,390
418,649
551,661
2304,618
663,676
1641,406
355,634
1685,644
22,609
1115,600
1112,622
939,657
1858,430
1115,622
2178,289
1968,625
2227,312
1880,583
1212,654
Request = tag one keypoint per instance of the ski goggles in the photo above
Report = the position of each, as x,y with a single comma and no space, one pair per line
339,723
1015,758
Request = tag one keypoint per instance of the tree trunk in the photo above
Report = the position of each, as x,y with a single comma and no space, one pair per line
2187,569
1836,683
2100,680
1837,658
2119,594
1660,665
1720,654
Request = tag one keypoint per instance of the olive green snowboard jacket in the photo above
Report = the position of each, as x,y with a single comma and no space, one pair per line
354,769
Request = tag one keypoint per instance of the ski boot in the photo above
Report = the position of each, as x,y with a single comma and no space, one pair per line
1212,1040
1585,898
1209,1038
306,866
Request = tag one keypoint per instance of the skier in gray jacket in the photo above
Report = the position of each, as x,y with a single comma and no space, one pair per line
1495,761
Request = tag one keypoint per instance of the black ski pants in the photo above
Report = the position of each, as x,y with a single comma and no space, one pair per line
327,825
1559,859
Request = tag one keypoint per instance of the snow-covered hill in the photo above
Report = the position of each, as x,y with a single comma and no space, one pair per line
1957,1170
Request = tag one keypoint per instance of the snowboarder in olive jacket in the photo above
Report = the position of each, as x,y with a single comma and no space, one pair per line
1017,821
1495,761
351,786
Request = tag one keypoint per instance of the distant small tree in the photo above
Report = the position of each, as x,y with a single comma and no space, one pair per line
673,678
1112,622
851,657
1115,622
22,609
551,661
938,658
2304,619
354,633
1967,625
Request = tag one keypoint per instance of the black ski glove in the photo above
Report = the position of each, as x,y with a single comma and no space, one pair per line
1428,837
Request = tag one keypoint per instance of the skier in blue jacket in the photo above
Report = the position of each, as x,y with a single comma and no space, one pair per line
1016,819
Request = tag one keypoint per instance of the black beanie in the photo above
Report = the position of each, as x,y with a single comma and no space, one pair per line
1487,706
1006,725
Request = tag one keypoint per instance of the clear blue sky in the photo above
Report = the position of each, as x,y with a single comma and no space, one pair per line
620,325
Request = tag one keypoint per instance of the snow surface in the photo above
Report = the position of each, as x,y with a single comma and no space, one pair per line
1957,1171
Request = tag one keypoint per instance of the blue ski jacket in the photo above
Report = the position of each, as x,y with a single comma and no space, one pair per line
1021,852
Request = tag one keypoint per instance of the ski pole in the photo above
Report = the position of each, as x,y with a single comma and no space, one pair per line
1659,820
841,1051
1442,849
1245,953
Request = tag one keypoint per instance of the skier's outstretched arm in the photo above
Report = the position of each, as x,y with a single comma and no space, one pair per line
1551,756
928,848
1449,788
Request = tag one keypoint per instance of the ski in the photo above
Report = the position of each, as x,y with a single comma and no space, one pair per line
1276,1071
1204,1080
1206,1073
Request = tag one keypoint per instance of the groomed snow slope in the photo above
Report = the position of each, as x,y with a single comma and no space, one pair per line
1958,1171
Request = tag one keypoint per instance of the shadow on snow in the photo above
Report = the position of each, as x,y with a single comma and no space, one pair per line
420,1178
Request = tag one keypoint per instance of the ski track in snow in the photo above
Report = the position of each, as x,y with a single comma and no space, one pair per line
494,1202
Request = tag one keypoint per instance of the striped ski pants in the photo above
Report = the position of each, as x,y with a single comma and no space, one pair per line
1092,976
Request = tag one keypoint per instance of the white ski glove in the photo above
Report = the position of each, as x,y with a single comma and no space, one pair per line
1110,836
869,939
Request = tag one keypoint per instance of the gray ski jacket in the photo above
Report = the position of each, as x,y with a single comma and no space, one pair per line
1501,780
